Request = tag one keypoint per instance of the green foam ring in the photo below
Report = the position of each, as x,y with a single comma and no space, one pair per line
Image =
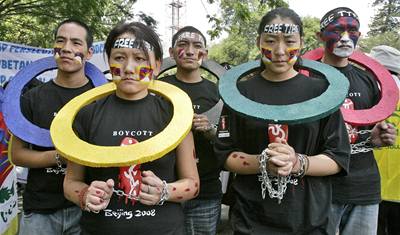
306,111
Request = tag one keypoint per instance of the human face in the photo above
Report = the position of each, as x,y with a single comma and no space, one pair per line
280,45
189,51
341,36
131,69
70,48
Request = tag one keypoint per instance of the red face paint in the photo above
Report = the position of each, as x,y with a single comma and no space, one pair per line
181,53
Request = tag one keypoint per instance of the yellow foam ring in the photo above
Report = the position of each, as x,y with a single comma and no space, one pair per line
81,152
9,152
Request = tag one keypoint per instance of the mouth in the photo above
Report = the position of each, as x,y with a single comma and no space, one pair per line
66,58
345,46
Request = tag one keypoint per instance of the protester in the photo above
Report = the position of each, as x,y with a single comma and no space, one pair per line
306,154
356,196
154,190
46,210
189,50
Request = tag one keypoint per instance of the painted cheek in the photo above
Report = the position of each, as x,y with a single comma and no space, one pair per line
145,74
354,38
181,53
57,51
330,38
115,70
266,55
293,53
79,57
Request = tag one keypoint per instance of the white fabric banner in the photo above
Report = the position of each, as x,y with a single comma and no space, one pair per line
14,57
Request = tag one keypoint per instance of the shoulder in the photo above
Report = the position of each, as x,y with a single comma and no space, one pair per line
169,79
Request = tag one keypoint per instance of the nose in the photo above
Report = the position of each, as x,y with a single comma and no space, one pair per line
130,66
280,49
190,50
66,48
345,37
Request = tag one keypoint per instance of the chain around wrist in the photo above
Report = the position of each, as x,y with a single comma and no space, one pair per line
164,194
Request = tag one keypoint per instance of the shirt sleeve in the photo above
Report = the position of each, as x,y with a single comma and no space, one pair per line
226,137
336,142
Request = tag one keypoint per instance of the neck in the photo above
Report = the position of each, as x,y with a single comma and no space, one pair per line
278,77
188,76
334,60
71,80
132,96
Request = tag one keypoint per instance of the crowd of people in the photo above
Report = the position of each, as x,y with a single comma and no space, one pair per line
301,178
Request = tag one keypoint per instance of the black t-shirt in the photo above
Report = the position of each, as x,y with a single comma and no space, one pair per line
204,96
362,184
44,189
305,208
107,122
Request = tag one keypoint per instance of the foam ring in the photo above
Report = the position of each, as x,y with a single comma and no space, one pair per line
389,91
307,111
87,154
15,120
209,65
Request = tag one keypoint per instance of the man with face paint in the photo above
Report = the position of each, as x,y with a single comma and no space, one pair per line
357,195
189,50
46,210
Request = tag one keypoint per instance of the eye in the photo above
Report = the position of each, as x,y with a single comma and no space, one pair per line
119,58
198,46
140,58
181,44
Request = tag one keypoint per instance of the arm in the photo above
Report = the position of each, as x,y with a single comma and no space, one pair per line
92,198
21,155
282,163
188,185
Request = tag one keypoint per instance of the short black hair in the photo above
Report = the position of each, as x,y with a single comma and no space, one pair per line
142,33
89,34
189,29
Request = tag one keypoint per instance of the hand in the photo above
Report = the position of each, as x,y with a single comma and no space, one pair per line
201,123
151,189
282,157
98,195
383,134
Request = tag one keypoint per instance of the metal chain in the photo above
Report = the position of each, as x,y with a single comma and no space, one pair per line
363,146
276,185
121,193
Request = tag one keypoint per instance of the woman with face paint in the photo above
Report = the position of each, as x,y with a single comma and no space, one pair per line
357,195
282,184
143,198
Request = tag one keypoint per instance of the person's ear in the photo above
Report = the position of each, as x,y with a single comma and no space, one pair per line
171,52
319,36
258,41
157,68
89,54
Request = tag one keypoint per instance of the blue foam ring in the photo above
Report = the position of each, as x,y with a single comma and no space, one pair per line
307,111
15,120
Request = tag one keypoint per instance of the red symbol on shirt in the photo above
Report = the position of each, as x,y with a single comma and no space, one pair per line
277,131
351,131
130,177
